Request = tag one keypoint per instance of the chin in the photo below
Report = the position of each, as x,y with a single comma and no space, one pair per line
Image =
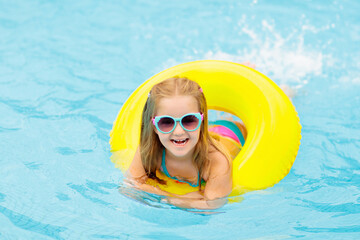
180,151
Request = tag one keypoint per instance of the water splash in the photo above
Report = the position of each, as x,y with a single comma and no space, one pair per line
284,58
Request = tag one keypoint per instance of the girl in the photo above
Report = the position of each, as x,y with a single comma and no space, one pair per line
175,140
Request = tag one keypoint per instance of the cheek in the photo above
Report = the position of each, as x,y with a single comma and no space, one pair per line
162,137
196,134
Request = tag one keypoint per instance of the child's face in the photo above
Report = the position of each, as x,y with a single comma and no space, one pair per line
177,107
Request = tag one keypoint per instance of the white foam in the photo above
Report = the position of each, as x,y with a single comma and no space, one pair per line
276,56
350,78
285,59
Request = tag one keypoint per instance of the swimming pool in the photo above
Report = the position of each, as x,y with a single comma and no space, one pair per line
66,68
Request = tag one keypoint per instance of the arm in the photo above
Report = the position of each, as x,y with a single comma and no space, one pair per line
136,176
219,183
218,186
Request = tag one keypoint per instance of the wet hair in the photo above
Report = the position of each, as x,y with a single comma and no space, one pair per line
150,145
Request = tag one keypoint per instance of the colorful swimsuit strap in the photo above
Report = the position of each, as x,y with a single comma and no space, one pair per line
163,166
232,126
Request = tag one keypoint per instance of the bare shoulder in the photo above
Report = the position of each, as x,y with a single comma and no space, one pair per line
219,181
219,164
136,169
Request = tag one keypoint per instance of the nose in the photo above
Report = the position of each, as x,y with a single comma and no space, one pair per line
178,129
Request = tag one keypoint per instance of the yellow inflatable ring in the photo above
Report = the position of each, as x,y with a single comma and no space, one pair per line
274,131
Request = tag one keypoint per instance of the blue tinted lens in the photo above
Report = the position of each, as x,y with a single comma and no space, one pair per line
166,124
190,122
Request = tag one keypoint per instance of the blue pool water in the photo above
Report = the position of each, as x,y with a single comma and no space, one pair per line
66,68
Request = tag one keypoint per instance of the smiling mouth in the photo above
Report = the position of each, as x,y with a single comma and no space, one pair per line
180,142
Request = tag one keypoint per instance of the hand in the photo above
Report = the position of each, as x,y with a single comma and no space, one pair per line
178,202
195,203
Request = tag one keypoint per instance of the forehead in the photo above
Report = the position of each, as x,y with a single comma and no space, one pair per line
177,106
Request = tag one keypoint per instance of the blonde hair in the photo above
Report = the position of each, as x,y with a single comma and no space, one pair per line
150,145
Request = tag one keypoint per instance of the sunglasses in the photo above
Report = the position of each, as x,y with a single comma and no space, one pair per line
189,122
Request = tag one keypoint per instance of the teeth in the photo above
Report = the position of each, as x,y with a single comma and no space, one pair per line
179,142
